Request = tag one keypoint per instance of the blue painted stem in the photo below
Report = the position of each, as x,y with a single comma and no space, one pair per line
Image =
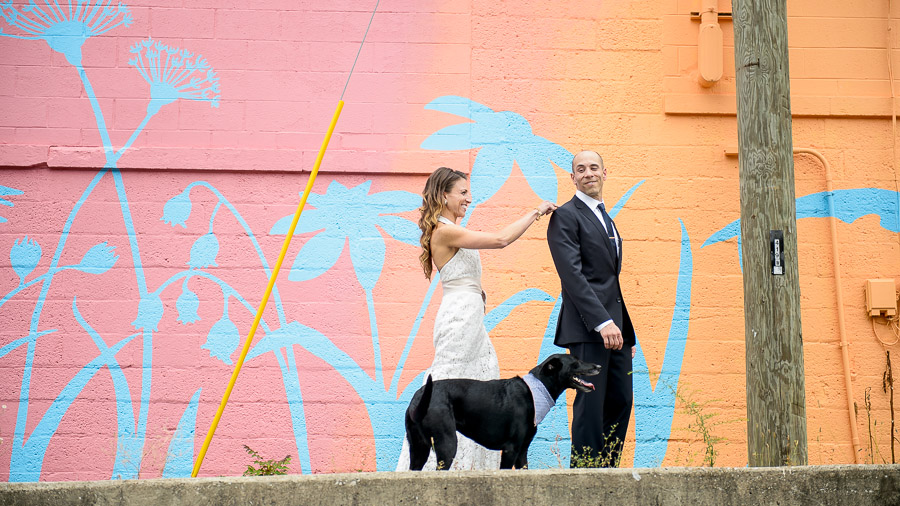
291,379
28,461
137,131
414,332
259,252
376,346
654,407
147,363
227,290
21,462
124,408
98,116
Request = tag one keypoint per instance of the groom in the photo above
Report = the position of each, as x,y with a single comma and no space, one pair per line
593,322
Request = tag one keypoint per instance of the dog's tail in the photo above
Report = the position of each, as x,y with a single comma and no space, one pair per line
418,413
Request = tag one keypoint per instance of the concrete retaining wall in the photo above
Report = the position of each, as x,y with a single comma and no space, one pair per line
812,485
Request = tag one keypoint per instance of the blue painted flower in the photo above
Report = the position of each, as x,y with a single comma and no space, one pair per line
5,190
204,251
65,28
187,305
177,209
503,138
353,213
98,259
24,257
846,205
150,311
174,73
222,340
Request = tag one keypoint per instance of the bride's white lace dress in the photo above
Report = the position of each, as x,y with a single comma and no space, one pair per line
462,349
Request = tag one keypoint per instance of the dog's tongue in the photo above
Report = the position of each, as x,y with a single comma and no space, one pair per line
585,383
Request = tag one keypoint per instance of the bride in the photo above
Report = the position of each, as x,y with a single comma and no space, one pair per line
462,348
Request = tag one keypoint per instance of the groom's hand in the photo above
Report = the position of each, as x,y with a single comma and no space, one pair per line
612,337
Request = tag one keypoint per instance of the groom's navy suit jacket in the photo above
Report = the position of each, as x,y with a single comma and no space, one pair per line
588,269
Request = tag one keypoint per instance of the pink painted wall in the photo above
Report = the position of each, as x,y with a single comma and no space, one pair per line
619,77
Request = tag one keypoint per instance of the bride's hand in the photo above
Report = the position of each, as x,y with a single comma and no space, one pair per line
546,207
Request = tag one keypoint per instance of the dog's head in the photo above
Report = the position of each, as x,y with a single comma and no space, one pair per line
561,371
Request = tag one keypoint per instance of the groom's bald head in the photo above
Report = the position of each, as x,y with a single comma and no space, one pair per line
579,156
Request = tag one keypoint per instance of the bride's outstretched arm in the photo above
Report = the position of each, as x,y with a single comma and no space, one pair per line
454,236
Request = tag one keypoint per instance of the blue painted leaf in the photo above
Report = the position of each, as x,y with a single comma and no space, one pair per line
204,251
317,256
187,305
451,138
98,259
400,229
392,202
150,312
499,313
490,170
654,406
624,199
506,127
849,205
367,252
539,172
311,220
459,106
852,204
359,191
557,154
221,341
723,234
284,337
177,209
24,257
5,190
180,457
9,347
318,344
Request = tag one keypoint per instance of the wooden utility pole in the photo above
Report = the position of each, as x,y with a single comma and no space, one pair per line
776,400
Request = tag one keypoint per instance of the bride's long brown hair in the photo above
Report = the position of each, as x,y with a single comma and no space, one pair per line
439,182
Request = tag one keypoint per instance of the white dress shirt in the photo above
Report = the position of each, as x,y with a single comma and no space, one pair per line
592,204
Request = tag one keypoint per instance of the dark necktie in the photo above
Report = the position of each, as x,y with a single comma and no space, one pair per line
609,229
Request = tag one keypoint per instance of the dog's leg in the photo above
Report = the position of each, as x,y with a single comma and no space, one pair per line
507,459
522,459
445,449
418,451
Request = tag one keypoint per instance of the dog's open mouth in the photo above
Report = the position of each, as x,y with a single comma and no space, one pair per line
586,384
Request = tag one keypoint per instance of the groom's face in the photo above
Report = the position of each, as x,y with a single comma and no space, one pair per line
588,174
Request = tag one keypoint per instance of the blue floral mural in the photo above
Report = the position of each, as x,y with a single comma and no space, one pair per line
355,220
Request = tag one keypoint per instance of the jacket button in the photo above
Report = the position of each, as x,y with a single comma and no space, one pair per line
619,299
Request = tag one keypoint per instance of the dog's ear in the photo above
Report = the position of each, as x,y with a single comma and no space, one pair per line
551,366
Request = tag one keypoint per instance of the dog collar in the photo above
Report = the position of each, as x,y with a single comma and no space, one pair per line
541,397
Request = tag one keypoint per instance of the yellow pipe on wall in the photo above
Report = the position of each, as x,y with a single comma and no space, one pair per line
265,299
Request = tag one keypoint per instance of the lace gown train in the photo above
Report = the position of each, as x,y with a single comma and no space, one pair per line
462,349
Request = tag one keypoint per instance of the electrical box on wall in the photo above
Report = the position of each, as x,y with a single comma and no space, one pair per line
881,297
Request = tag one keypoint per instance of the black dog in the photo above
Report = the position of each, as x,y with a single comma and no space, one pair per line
497,414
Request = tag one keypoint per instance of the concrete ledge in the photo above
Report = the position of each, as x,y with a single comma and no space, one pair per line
807,485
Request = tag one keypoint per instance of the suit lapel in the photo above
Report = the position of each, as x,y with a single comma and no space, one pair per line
589,215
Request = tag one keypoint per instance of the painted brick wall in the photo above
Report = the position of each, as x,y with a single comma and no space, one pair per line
123,310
